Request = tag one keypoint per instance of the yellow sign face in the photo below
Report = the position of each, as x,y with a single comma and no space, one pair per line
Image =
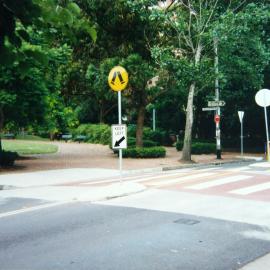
118,78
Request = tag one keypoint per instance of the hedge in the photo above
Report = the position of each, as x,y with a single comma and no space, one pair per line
94,133
7,158
199,147
146,143
160,137
149,152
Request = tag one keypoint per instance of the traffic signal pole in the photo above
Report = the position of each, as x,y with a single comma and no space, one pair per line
218,135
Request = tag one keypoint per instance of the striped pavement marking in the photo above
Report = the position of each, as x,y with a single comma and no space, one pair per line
181,179
261,165
245,168
251,189
137,178
218,182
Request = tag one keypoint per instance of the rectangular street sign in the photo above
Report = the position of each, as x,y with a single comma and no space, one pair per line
119,136
216,103
209,109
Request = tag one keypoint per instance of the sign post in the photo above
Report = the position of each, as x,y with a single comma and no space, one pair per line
118,80
241,116
154,119
262,98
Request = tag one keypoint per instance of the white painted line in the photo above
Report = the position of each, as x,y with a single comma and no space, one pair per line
245,168
137,178
210,169
218,182
181,179
30,209
251,189
261,165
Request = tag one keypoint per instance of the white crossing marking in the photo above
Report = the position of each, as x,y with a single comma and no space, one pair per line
138,178
218,182
34,208
245,168
210,169
261,165
181,179
251,189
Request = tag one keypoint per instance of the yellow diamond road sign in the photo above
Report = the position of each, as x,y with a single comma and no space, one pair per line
118,78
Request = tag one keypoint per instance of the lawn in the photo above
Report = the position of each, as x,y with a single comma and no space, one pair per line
29,147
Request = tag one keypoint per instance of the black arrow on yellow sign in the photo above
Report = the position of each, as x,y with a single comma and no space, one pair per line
115,74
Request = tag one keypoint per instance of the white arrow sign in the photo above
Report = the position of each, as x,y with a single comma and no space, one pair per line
216,103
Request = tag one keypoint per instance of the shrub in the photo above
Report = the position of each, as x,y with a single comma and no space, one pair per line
179,145
203,148
7,158
198,147
149,152
146,143
160,137
94,133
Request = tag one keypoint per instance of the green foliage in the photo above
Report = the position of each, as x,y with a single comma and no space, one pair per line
160,137
198,148
149,152
7,158
29,137
146,143
100,134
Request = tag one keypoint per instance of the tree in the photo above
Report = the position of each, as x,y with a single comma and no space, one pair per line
29,32
99,92
139,94
189,28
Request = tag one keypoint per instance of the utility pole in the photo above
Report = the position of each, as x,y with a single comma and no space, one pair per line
218,135
154,119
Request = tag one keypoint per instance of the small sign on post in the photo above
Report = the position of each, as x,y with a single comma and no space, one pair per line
216,103
217,119
119,136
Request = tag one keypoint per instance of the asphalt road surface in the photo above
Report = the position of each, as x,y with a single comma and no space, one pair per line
207,218
88,236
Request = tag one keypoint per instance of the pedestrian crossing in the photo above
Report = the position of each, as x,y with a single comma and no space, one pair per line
242,181
220,181
239,181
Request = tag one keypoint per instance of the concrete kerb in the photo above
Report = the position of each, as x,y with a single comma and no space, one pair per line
70,193
215,163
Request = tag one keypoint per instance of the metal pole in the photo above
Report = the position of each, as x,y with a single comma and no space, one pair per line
267,132
218,137
154,119
242,148
120,122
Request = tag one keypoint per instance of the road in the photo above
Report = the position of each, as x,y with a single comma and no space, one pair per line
197,218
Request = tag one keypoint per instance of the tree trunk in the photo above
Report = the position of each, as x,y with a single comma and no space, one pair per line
186,152
139,129
101,113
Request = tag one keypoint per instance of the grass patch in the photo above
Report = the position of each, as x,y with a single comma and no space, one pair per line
29,147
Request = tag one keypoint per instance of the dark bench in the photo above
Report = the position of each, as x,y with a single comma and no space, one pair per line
80,138
66,137
9,136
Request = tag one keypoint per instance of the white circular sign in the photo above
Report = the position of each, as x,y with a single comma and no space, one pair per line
263,98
